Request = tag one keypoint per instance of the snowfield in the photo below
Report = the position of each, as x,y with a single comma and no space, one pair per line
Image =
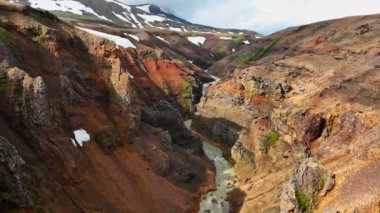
198,40
64,6
144,8
151,18
119,41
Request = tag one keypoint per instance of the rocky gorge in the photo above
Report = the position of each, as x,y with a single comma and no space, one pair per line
90,125
298,118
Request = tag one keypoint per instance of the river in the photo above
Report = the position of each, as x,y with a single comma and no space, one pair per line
225,180
216,201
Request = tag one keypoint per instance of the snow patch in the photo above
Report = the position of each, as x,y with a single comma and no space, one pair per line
197,40
151,18
130,21
225,38
246,42
81,137
130,75
119,41
134,18
64,6
144,8
133,36
233,50
73,141
184,29
162,39
175,29
122,17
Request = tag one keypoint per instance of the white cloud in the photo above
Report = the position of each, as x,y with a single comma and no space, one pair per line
269,15
266,16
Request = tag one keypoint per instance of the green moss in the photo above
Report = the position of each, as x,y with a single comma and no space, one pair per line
36,34
261,52
187,104
186,90
238,38
303,201
321,183
186,93
244,59
272,137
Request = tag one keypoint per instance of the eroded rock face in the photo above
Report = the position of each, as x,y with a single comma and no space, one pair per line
308,128
242,155
56,80
16,188
309,181
312,95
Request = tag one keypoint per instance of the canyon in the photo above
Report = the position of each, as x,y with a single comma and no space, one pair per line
99,117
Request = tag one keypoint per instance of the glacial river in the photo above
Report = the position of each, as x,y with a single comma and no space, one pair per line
216,201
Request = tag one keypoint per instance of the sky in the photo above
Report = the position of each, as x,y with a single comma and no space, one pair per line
263,16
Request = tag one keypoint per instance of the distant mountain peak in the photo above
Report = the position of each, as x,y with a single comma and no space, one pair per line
118,14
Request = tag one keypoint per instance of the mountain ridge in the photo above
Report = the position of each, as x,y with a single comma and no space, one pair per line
120,14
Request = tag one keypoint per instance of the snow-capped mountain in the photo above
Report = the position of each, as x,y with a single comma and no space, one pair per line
116,13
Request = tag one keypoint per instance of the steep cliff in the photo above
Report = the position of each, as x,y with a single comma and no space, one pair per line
88,125
297,115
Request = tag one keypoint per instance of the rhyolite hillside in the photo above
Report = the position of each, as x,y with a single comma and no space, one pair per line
93,107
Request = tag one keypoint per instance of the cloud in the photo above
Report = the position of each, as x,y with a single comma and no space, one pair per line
265,16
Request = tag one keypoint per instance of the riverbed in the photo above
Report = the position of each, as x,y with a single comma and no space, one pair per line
225,180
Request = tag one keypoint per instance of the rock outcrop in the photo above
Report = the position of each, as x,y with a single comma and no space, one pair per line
309,181
298,95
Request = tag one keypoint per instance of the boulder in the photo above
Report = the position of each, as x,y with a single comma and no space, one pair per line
309,181
107,138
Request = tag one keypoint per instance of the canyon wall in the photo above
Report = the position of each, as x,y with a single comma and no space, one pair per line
298,118
89,126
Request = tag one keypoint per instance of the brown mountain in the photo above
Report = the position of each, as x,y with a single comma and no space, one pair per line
92,115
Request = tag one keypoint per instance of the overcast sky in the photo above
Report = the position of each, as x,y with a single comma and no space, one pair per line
263,16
